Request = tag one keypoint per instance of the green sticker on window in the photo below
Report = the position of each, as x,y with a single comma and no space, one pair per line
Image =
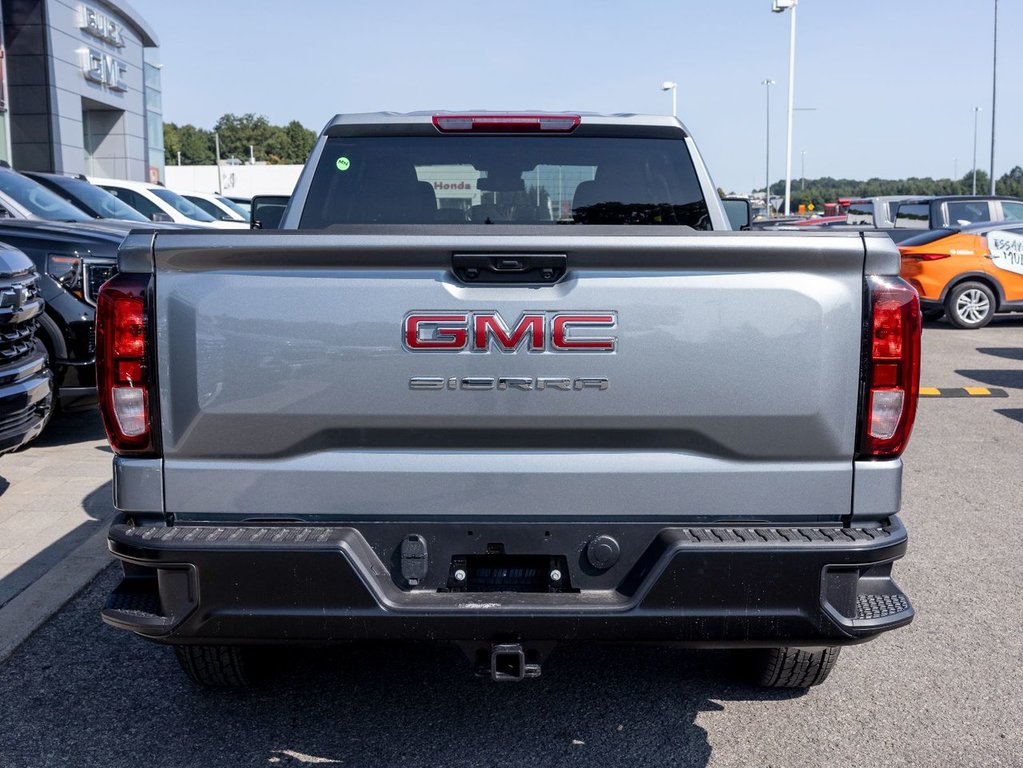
343,163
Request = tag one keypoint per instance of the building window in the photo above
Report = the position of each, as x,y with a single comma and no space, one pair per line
154,118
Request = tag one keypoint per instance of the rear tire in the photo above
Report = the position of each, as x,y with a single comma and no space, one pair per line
216,666
794,667
970,305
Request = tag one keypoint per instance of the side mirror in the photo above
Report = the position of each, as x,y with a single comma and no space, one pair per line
162,218
267,211
739,212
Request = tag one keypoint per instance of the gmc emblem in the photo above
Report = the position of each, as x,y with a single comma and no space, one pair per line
483,331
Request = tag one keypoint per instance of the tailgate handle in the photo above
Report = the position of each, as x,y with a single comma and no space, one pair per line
518,268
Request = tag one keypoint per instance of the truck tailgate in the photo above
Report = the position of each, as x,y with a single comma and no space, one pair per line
731,393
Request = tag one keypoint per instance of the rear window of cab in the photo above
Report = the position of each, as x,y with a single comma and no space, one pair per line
860,212
504,179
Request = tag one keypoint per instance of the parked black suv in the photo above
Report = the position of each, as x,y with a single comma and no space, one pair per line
73,260
74,254
26,397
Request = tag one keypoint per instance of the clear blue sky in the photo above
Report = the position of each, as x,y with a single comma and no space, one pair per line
893,82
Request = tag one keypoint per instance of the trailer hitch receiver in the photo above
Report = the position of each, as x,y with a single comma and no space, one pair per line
508,663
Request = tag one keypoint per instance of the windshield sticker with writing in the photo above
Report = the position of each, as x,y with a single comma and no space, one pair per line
1006,251
343,163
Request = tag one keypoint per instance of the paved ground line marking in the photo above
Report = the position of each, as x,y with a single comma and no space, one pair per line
962,392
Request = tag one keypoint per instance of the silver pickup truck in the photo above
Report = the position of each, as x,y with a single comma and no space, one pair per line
508,380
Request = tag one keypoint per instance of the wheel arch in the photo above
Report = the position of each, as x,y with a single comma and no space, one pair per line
976,277
52,336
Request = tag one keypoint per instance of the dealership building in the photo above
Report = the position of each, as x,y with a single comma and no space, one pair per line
80,89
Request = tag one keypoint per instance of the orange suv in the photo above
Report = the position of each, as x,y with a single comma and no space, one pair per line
967,274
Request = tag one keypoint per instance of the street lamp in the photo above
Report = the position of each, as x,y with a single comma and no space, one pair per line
667,85
976,111
220,178
767,163
994,92
780,6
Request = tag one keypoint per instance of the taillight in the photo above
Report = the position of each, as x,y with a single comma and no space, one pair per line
893,368
123,360
506,123
929,256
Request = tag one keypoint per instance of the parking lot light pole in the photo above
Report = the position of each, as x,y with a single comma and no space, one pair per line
780,6
667,85
994,93
220,179
976,111
767,153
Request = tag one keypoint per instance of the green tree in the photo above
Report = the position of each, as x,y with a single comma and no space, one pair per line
1011,183
240,132
827,189
194,144
300,142
965,185
270,143
171,143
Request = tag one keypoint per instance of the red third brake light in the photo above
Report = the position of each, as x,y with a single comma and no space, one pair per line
506,123
122,363
893,372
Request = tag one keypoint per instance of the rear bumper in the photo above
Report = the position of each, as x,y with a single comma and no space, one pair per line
707,587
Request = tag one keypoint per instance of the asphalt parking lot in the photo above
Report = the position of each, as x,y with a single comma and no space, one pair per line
944,691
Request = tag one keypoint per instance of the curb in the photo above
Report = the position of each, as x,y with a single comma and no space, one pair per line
28,610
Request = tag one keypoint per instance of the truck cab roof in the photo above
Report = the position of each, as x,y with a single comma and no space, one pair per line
337,124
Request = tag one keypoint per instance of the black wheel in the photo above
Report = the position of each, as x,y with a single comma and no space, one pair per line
932,314
794,667
216,666
970,305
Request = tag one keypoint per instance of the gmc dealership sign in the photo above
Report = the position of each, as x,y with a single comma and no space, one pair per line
102,68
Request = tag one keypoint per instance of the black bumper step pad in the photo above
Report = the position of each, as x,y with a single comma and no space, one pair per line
880,606
188,536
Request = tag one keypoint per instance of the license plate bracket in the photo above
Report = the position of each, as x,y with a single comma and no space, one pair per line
499,572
